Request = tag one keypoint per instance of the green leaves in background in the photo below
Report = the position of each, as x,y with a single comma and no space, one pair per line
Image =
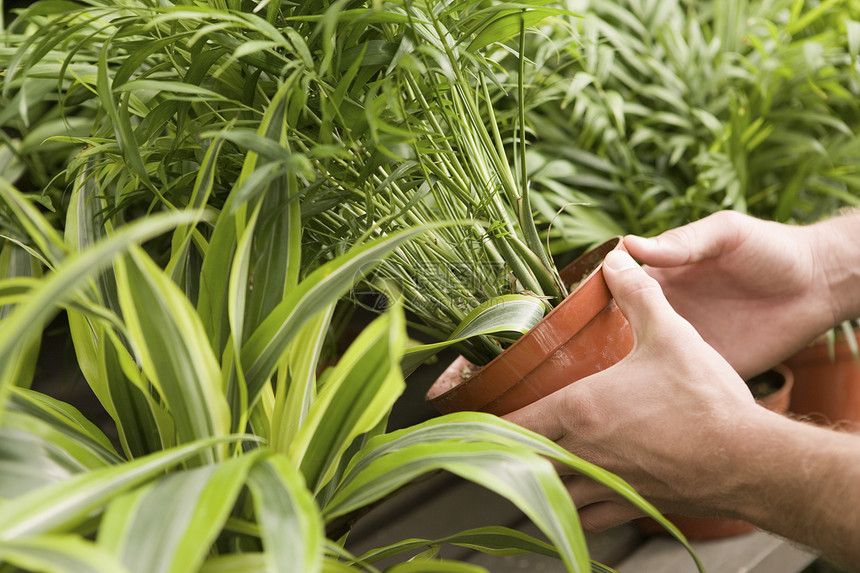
508,24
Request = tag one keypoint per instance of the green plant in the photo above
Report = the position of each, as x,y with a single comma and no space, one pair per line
314,452
448,157
666,113
214,137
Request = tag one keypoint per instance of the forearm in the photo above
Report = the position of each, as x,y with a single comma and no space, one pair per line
837,249
802,482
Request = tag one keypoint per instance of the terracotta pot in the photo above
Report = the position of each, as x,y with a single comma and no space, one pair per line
584,334
782,379
827,391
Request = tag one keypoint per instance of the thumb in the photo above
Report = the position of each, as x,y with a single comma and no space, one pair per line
639,296
689,244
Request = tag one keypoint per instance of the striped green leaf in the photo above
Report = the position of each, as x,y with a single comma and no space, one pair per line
58,554
64,418
62,506
173,348
29,461
297,381
508,314
116,381
290,524
357,395
47,240
325,285
512,471
495,540
478,428
19,272
181,514
38,448
60,287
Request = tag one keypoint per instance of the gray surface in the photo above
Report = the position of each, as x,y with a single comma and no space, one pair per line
757,552
445,504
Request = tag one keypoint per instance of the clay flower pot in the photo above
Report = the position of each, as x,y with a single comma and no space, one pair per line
772,390
584,334
827,391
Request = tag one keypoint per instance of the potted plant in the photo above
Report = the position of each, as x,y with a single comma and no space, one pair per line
482,276
584,334
827,379
198,296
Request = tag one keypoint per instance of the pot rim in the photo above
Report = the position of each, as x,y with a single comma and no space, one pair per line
597,253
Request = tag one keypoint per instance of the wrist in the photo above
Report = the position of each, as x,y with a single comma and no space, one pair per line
799,481
836,251
744,452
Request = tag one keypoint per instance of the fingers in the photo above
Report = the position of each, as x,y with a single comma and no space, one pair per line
689,244
599,507
638,295
601,516
584,491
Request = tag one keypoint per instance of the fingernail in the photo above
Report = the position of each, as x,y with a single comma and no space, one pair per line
640,240
619,260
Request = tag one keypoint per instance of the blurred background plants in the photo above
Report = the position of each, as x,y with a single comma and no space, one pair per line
660,113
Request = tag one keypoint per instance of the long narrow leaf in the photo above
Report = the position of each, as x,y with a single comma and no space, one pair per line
357,395
485,428
322,287
61,285
516,473
173,347
290,523
181,514
297,384
58,554
62,506
506,314
494,540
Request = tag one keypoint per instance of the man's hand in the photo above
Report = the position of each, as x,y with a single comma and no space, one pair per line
756,291
676,421
657,418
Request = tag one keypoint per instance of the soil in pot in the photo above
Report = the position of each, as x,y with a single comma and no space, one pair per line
584,334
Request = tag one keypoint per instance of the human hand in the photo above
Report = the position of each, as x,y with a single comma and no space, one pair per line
754,290
661,418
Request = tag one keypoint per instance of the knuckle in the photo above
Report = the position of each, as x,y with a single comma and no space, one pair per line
581,412
601,516
640,285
